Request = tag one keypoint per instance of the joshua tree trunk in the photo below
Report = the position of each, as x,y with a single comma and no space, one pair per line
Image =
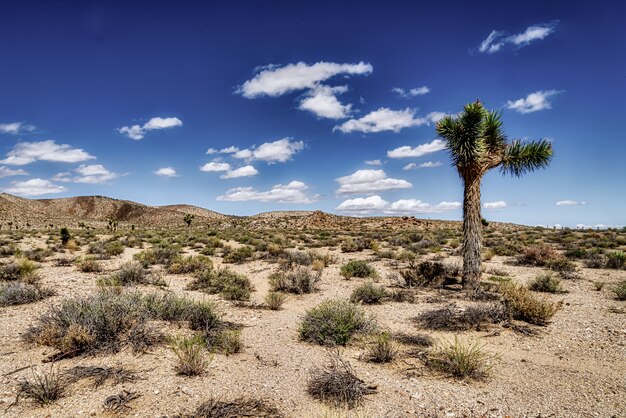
472,232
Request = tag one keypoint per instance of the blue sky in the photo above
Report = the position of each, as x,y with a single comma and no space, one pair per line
246,107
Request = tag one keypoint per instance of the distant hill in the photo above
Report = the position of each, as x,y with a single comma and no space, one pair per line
94,211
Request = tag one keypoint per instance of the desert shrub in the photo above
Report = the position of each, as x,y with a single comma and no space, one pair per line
452,318
300,280
159,254
598,286
240,407
427,273
43,388
326,259
18,293
620,290
461,359
227,283
7,249
274,300
38,254
357,268
189,351
113,248
65,236
356,244
118,403
546,283
89,265
539,255
420,340
334,322
189,264
240,255
203,316
337,384
522,304
296,258
564,267
382,349
595,260
100,375
402,295
615,260
129,273
21,269
226,341
368,293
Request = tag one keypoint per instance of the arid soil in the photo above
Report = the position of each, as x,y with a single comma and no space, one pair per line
573,367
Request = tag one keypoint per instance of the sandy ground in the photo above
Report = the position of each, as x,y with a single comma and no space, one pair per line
575,367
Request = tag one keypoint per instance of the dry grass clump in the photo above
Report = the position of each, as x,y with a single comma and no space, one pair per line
240,407
192,360
546,283
382,349
18,293
337,384
227,283
161,254
453,318
89,265
334,322
189,264
299,280
22,269
368,293
428,273
357,268
461,359
539,255
620,290
225,340
523,305
420,340
274,300
43,388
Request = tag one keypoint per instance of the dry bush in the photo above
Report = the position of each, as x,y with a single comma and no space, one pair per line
100,375
461,359
402,295
368,293
337,384
274,300
119,403
452,318
189,264
334,322
226,341
523,305
43,388
357,268
382,349
620,290
547,283
300,280
420,340
21,269
18,293
161,254
539,255
428,273
192,360
89,265
240,407
227,283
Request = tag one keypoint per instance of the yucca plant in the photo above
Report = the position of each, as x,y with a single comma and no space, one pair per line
477,144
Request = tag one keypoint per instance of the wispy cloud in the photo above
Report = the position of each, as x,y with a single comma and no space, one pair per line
500,40
369,181
34,187
427,164
500,204
271,152
16,128
137,132
322,101
28,152
533,102
376,204
385,119
293,192
570,203
88,174
215,166
418,91
373,162
166,172
420,150
245,171
9,172
276,80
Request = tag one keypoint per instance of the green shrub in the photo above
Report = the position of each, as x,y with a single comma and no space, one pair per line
334,322
620,290
522,304
382,349
274,300
189,264
368,293
461,359
65,236
546,283
616,260
300,280
18,293
21,269
240,255
192,360
89,265
227,283
160,254
113,248
357,268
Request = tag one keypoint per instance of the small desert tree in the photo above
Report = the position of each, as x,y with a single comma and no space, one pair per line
188,218
65,236
477,144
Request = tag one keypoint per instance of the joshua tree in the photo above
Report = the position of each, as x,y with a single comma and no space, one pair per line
188,218
477,144
65,236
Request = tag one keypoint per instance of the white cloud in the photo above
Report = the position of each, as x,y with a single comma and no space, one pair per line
418,91
8,172
373,162
427,164
498,40
369,181
15,128
211,151
570,203
533,102
245,171
385,119
27,152
410,166
137,132
376,204
322,101
215,166
34,187
271,152
88,174
166,172
293,192
276,81
500,204
420,150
